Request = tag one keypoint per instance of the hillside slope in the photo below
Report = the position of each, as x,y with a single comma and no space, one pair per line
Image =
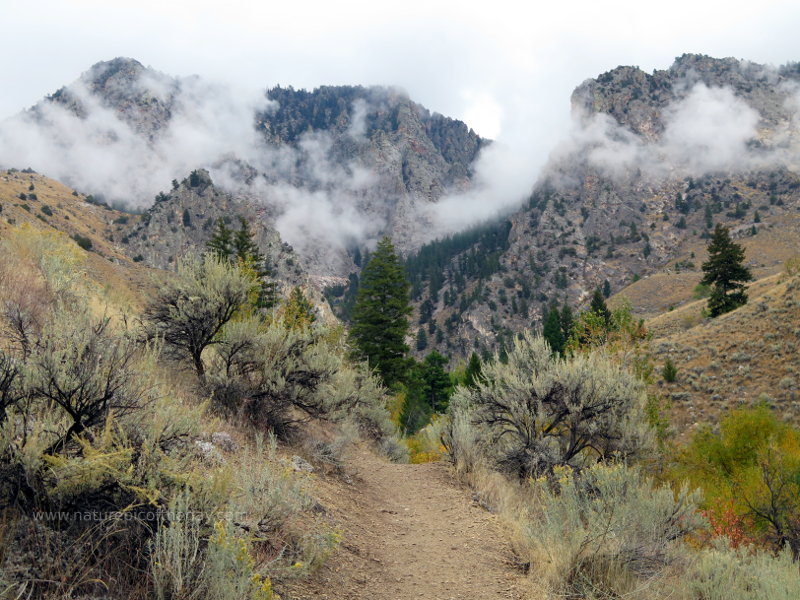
742,358
653,163
28,197
335,168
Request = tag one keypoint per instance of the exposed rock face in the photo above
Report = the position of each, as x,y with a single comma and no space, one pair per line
337,167
183,221
637,99
586,223
367,160
141,97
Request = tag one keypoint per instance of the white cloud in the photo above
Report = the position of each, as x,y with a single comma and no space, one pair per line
709,130
507,68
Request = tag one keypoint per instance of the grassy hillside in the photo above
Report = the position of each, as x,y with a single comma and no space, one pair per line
131,467
742,358
49,205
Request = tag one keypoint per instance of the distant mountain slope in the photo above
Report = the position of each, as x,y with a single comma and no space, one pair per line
743,358
27,197
653,163
336,167
183,220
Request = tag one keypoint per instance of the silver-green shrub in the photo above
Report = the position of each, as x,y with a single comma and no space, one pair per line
190,309
270,375
723,573
605,531
539,411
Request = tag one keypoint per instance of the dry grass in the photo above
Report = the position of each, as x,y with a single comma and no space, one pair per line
114,274
742,358
748,356
776,242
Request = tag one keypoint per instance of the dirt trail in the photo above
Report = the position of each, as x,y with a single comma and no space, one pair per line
410,531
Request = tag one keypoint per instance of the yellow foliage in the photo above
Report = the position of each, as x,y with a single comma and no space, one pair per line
249,269
752,464
230,560
395,405
107,459
297,312
792,266
58,259
425,445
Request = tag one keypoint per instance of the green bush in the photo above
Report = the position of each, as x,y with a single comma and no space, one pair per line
539,411
753,464
82,241
670,371
701,290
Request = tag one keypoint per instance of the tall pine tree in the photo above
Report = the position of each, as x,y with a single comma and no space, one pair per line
567,321
380,314
221,240
725,271
552,331
474,373
241,248
599,306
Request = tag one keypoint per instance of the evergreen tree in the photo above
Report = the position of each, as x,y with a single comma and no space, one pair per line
473,374
221,241
415,413
670,371
552,331
725,271
244,246
422,339
380,314
246,253
606,289
567,321
709,217
436,385
599,306
241,248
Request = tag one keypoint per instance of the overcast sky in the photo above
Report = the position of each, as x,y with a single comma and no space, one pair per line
498,65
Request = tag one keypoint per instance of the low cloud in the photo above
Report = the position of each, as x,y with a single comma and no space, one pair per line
316,201
709,130
101,153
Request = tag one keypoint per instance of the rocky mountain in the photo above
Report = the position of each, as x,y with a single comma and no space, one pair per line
183,220
654,162
142,98
334,168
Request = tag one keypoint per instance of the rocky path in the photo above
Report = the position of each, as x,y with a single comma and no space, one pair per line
410,531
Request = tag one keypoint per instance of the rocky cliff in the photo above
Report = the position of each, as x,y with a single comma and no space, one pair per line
654,162
334,168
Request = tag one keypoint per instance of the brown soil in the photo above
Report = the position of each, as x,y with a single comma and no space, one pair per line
411,531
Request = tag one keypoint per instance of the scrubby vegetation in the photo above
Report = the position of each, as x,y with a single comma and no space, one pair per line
139,454
573,452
